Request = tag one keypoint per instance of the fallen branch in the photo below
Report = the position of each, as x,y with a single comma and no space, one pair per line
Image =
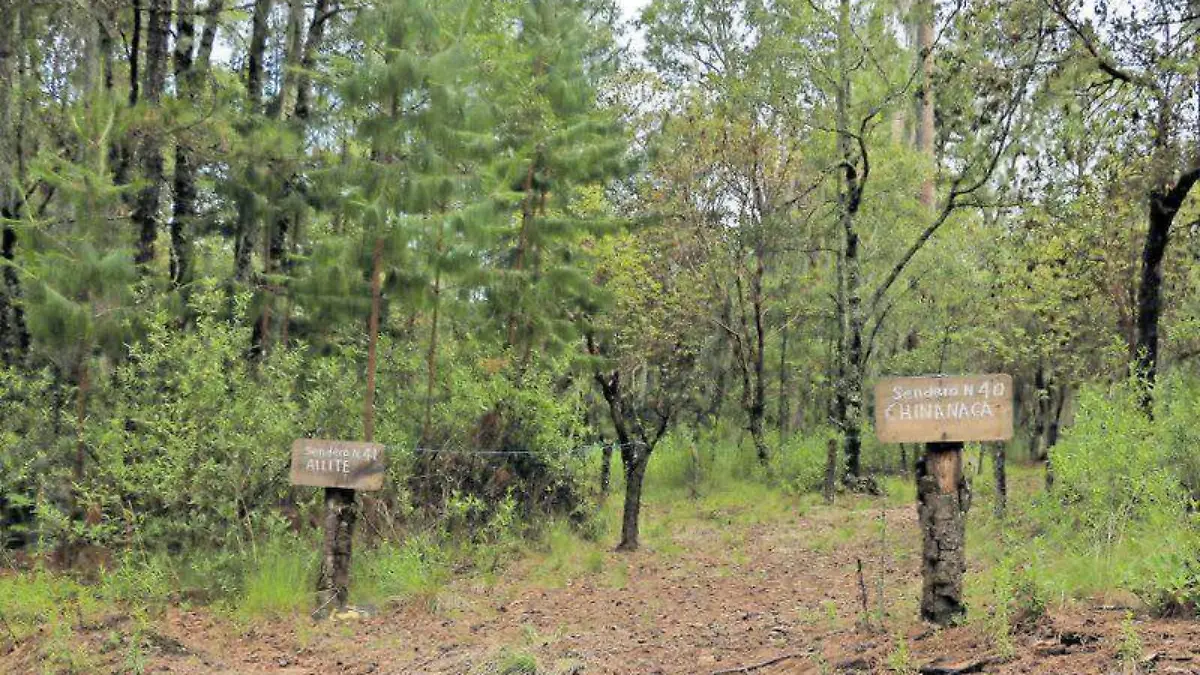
762,664
956,669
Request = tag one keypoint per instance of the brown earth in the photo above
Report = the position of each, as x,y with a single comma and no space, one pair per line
723,591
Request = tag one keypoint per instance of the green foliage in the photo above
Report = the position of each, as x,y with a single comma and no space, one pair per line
1113,469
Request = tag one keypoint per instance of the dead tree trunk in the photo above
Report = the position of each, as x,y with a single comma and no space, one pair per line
333,585
942,502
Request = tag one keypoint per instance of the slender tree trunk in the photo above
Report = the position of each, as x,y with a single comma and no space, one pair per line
285,102
84,386
431,356
1041,402
849,200
373,339
785,412
212,21
925,97
122,152
316,33
145,212
183,210
14,337
256,52
605,468
522,250
634,458
1054,419
758,405
830,471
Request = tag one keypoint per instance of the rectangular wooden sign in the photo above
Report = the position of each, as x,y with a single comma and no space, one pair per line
944,408
343,464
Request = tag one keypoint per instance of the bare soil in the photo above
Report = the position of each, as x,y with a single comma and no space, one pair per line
726,591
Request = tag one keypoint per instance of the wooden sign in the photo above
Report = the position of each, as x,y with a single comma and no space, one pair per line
944,408
340,464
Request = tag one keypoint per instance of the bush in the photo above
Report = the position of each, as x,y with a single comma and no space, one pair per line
1113,469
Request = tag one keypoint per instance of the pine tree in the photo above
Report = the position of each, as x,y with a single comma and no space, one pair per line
555,138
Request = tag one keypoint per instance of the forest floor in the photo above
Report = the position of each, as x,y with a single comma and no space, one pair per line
729,583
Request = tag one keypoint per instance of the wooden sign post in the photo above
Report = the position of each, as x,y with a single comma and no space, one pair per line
341,467
943,412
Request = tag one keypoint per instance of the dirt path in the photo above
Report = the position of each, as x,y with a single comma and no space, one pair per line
708,594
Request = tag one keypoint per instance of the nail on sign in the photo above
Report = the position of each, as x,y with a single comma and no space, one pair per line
343,464
944,408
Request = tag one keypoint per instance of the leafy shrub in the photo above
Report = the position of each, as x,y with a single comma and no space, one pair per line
1113,470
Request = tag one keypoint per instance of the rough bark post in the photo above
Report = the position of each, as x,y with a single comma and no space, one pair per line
333,585
999,450
341,512
634,459
831,471
942,502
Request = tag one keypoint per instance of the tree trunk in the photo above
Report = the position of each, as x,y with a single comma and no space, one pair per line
830,471
183,210
1149,299
431,355
1054,419
849,200
758,406
285,101
943,499
209,37
999,450
605,467
316,33
256,52
634,458
785,412
925,128
14,336
145,212
1041,403
373,340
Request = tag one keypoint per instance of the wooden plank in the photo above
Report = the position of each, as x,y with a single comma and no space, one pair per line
944,408
341,464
